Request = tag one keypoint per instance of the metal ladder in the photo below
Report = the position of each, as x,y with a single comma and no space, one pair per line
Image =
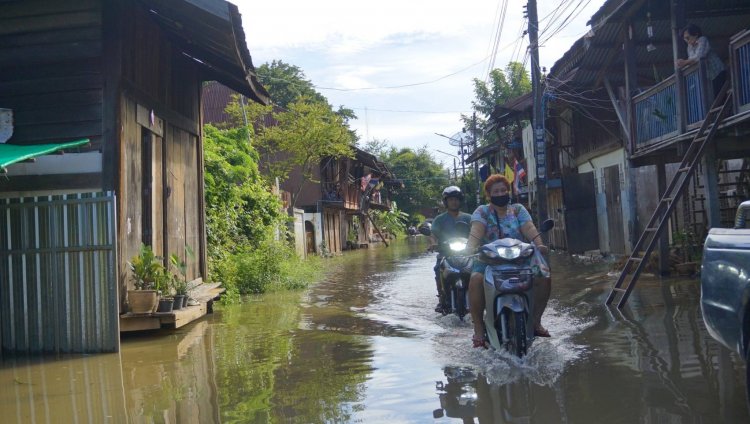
658,221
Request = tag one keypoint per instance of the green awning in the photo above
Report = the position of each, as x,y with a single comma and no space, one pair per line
12,153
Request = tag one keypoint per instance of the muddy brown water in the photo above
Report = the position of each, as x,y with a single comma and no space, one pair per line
365,346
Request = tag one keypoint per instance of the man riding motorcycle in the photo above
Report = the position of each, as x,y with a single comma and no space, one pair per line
443,227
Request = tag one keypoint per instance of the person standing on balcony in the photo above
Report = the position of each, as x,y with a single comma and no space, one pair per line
698,48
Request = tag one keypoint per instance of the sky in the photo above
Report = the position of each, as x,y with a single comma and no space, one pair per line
406,66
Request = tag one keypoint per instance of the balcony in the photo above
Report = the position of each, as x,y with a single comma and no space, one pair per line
678,104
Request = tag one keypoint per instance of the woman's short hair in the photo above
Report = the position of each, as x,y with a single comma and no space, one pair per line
494,179
693,30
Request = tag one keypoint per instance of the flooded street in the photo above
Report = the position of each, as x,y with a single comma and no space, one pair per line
366,346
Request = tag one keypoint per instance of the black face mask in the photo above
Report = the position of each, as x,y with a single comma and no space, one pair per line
500,200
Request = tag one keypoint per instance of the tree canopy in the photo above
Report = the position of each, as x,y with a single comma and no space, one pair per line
502,86
304,128
424,178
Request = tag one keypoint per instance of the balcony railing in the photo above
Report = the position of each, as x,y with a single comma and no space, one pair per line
695,94
656,113
739,46
674,106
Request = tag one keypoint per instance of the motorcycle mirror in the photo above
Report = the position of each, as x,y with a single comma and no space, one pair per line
425,230
437,413
547,225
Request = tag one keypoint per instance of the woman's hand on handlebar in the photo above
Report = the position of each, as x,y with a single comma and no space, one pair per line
543,249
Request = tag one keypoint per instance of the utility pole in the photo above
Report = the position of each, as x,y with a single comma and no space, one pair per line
476,160
538,121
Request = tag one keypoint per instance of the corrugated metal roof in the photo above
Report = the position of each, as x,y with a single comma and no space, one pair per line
210,32
598,53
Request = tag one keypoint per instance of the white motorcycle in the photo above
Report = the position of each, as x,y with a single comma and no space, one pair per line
508,291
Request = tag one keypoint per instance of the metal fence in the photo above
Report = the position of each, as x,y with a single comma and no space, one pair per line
58,287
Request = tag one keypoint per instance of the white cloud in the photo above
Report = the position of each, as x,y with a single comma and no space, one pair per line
349,44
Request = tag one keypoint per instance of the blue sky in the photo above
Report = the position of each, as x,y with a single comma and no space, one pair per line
354,50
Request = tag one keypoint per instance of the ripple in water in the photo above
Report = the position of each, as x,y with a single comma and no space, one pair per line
543,365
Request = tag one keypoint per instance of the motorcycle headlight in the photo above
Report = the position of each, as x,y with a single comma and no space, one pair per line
457,246
509,253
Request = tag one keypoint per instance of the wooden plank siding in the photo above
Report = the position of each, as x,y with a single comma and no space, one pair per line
154,66
129,201
50,70
158,79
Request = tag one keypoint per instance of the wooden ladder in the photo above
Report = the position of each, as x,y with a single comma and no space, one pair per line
658,221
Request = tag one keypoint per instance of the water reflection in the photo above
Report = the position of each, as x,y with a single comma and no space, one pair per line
365,346
153,379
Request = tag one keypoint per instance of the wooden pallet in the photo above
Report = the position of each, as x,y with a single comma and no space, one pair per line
205,294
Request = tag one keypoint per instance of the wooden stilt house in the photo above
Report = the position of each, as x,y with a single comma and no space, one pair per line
121,79
660,149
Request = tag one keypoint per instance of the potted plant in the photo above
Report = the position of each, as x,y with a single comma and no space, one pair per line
147,269
164,282
180,282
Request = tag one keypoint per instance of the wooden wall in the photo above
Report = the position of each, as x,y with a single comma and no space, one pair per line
156,68
555,205
158,79
175,195
50,69
332,224
183,214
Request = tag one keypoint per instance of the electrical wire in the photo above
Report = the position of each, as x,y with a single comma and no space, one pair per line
406,111
498,34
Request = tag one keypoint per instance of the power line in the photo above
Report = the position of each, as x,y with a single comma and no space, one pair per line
404,85
405,111
498,34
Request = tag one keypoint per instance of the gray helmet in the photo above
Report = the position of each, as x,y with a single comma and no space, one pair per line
452,191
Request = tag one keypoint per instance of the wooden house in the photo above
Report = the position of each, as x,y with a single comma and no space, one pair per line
123,76
622,117
333,207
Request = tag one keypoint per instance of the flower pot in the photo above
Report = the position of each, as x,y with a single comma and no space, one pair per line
178,300
142,301
165,304
185,301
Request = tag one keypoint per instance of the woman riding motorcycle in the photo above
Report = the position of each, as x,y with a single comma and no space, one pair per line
493,221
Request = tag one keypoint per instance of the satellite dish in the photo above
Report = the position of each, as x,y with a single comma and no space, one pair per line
461,138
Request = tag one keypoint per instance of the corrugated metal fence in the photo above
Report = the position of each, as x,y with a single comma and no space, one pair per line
58,289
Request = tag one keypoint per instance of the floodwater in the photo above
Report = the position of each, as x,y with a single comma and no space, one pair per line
365,346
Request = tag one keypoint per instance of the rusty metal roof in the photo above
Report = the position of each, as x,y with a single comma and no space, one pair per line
210,32
599,53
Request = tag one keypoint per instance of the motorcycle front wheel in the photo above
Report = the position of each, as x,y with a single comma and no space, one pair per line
515,323
460,299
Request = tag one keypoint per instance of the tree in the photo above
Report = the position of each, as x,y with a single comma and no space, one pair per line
503,85
287,83
241,211
302,137
424,178
376,147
